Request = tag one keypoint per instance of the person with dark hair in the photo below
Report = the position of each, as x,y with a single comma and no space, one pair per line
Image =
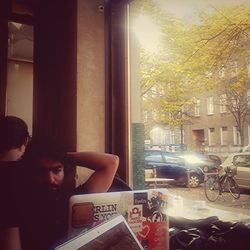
45,216
33,186
14,137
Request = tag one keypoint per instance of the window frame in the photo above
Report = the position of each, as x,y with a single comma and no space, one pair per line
210,105
197,107
236,136
222,139
223,103
211,141
116,46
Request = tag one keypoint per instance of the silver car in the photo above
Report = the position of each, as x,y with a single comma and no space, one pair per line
240,162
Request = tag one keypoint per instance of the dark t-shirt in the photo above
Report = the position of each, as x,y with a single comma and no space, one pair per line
44,221
10,193
41,218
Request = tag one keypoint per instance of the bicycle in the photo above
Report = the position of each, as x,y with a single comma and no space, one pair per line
216,184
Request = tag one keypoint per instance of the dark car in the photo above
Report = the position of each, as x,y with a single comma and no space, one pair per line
172,166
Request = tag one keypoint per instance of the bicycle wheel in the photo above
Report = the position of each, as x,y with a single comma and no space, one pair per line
233,187
212,188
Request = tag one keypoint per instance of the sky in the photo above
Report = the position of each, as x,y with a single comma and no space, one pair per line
188,9
149,34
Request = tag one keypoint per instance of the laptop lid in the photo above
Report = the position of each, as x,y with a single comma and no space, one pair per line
144,211
112,234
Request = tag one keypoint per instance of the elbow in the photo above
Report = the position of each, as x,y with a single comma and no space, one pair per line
115,162
112,164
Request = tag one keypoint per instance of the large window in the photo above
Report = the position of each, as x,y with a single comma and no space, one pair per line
248,98
223,102
188,77
181,51
19,92
236,136
210,105
197,107
224,135
248,130
234,68
211,136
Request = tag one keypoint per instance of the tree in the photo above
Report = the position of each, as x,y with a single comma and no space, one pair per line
197,56
224,41
237,100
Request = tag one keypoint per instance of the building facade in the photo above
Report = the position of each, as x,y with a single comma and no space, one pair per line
213,127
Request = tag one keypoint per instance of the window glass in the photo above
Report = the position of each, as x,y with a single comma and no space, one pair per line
170,159
189,77
248,66
223,103
197,107
234,68
210,105
224,136
20,41
248,130
248,97
19,92
236,136
211,135
153,156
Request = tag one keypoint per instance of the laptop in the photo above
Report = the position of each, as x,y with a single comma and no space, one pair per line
112,234
144,211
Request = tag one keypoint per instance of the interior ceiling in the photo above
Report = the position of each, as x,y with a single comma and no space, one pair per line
29,2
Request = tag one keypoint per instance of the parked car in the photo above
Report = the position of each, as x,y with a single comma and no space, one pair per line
240,164
207,162
172,166
246,149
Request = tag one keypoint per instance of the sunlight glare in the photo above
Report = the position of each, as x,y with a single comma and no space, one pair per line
147,33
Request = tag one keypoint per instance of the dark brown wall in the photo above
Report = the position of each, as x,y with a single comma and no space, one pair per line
119,86
4,15
55,71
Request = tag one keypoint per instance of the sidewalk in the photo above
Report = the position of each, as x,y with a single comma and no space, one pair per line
236,209
226,206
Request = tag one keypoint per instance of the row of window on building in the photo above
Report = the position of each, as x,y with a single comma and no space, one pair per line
224,136
211,104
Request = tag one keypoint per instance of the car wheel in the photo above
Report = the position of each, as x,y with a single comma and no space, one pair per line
194,181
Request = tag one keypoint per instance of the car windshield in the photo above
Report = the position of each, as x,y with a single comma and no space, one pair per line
154,157
172,159
194,158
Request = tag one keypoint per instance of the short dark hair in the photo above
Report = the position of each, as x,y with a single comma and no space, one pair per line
13,133
41,146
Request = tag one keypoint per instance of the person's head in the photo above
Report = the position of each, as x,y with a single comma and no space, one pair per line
14,137
46,162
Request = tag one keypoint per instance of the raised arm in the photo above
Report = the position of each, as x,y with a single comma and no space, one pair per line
104,165
10,239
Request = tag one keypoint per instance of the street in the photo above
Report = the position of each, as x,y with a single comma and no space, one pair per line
226,202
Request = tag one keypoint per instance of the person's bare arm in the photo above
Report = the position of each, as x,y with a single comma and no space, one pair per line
104,165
